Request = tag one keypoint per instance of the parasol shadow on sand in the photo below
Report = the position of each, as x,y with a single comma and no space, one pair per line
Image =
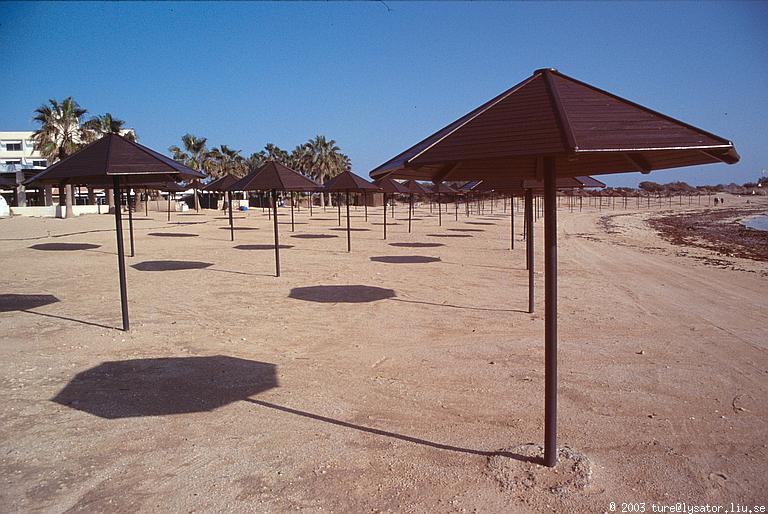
341,294
405,259
172,234
170,265
64,247
314,236
416,245
166,386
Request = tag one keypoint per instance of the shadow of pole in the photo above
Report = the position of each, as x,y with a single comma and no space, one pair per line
393,435
82,322
451,306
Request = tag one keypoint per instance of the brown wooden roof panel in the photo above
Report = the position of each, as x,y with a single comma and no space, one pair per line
221,183
275,176
601,120
113,155
389,185
587,130
348,181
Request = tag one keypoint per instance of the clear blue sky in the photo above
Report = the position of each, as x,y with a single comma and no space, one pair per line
379,77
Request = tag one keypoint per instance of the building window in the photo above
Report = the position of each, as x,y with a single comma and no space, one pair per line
13,162
12,147
40,164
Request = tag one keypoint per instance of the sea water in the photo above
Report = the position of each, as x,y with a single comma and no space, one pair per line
759,222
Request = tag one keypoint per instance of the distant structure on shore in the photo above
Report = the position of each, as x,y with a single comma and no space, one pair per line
17,149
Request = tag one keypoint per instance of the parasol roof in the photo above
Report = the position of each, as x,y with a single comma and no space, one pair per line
114,156
274,176
389,185
414,187
536,185
443,188
221,183
470,186
172,187
348,181
586,129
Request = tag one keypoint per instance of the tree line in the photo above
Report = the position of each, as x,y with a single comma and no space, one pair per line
679,187
319,158
64,128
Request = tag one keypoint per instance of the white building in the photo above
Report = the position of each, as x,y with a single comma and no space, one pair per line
18,148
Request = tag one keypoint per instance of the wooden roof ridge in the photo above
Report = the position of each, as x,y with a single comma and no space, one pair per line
348,181
433,139
587,129
549,72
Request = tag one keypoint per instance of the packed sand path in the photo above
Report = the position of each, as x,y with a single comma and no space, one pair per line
384,379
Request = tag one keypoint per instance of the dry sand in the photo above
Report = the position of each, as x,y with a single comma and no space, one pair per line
381,380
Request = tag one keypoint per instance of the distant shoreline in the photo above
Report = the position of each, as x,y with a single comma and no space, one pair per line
720,230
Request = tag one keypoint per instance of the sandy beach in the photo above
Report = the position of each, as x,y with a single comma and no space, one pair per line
381,380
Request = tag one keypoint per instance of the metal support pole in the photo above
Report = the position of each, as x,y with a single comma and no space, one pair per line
169,206
277,237
385,216
292,198
456,206
550,314
146,203
365,201
529,247
120,254
511,222
338,204
439,210
130,222
410,211
349,236
310,203
231,221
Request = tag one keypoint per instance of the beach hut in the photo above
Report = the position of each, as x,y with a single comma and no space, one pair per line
346,183
274,177
547,126
393,187
117,162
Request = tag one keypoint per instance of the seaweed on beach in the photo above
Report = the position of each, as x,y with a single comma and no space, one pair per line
717,230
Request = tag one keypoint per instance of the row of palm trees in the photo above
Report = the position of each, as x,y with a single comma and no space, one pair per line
319,158
62,132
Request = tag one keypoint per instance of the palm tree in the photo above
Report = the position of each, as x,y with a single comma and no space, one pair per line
325,160
195,155
255,161
99,126
277,154
96,128
233,161
59,134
